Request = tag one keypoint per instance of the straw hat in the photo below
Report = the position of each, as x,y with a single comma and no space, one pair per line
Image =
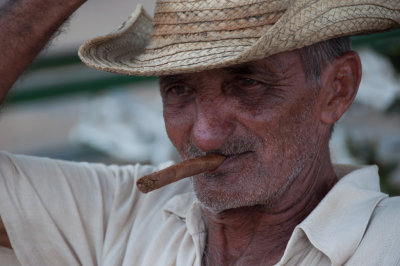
195,35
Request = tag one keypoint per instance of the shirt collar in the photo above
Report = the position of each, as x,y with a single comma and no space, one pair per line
337,224
187,207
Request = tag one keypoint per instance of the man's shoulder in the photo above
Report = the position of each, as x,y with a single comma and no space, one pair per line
389,204
380,244
386,215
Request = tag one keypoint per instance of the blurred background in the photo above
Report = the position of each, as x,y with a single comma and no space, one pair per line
61,109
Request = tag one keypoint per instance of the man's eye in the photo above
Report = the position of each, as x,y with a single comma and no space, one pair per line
178,94
248,82
177,90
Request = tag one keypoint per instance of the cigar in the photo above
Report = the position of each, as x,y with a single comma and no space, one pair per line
179,171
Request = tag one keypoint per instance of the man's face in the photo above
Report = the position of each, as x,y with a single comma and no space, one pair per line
261,115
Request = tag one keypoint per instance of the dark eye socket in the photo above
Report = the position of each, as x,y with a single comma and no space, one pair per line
177,90
247,82
177,94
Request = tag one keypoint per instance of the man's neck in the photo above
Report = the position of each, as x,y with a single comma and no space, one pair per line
258,235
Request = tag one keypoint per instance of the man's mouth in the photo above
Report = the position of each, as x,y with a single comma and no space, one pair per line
231,158
236,154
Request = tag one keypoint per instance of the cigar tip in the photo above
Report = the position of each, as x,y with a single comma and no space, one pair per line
145,185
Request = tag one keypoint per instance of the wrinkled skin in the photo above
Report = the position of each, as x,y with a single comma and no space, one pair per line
273,124
261,115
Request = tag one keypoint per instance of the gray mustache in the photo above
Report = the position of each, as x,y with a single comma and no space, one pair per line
231,147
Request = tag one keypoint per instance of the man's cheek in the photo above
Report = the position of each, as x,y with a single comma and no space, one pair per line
178,132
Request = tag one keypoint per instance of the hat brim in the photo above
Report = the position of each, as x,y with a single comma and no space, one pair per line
126,51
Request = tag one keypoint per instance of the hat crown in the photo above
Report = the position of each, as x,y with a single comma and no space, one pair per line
195,35
209,20
191,5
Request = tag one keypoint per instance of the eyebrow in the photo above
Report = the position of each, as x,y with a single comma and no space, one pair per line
251,69
244,69
170,79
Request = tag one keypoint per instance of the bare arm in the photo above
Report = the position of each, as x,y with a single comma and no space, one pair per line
25,28
4,241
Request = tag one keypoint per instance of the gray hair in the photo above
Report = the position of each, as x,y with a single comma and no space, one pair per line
316,56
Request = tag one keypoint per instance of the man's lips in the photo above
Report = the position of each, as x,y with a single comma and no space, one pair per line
232,158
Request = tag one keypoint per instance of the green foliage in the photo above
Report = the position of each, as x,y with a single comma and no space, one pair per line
366,151
385,43
394,107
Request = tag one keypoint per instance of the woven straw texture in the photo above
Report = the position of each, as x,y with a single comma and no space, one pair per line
196,35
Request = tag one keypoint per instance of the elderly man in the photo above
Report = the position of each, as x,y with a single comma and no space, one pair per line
260,82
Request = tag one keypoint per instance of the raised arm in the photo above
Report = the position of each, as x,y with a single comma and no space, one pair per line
25,28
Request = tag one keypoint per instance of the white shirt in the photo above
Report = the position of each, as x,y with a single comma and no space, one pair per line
65,213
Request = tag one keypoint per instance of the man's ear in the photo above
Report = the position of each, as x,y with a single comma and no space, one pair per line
339,84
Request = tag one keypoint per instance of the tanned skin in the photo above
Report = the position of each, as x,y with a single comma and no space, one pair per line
251,206
25,28
268,103
4,241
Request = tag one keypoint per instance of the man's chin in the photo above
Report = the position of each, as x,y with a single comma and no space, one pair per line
216,209
220,202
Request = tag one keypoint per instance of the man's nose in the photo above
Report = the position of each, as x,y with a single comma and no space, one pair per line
211,128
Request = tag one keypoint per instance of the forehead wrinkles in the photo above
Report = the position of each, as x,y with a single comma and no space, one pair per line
271,66
264,67
291,66
276,68
199,78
